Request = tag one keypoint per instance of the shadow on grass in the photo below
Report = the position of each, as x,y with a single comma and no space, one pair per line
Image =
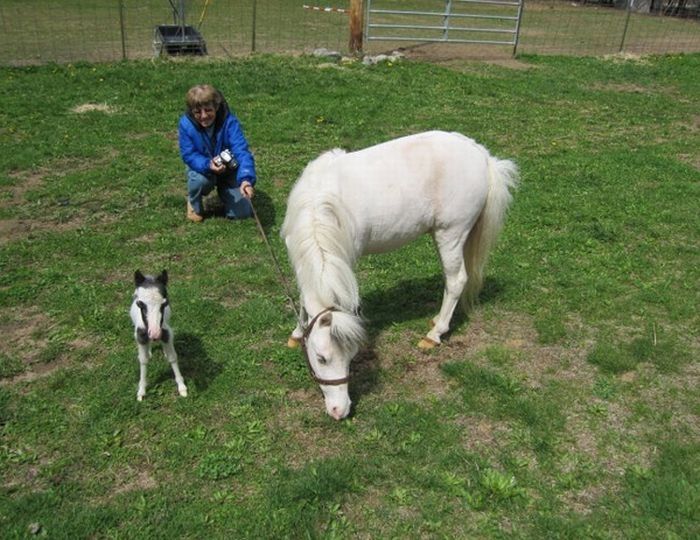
416,299
262,203
406,301
196,366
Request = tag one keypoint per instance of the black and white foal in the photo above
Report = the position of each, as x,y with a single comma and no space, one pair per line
150,313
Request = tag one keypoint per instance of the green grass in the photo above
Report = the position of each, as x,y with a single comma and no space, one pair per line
564,406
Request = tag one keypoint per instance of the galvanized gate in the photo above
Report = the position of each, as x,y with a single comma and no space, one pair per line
490,22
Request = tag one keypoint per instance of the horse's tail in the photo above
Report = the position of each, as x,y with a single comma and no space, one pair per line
503,178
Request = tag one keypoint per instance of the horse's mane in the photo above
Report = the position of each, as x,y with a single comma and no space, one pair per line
319,236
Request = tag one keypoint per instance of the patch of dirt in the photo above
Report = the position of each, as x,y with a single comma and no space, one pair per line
412,371
533,361
90,107
14,229
140,480
306,419
461,56
26,181
24,332
619,58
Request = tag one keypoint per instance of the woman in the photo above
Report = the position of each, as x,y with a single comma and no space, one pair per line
207,129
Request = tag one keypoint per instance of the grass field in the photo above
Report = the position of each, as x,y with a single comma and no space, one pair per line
564,406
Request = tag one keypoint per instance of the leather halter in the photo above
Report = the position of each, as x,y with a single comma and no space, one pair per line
319,380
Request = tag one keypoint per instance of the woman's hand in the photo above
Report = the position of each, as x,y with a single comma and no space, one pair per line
247,189
218,169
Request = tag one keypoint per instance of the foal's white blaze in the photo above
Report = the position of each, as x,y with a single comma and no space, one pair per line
154,300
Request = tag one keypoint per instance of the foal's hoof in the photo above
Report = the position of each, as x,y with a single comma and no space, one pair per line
427,343
293,342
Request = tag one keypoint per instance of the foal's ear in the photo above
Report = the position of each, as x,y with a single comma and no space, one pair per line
326,320
139,278
163,277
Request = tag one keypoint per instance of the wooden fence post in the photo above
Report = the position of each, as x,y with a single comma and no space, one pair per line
356,11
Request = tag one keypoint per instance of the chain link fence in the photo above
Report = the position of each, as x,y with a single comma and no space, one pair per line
43,31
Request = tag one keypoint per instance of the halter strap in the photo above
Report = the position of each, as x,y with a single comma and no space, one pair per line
304,337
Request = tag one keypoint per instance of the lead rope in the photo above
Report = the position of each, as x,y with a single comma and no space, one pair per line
327,382
285,285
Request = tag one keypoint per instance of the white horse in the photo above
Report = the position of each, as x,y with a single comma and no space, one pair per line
150,313
376,200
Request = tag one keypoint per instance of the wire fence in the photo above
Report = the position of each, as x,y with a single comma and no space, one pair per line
44,31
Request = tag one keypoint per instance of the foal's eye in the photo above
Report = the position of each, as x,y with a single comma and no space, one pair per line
322,360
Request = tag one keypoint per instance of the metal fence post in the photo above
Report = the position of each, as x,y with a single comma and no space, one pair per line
627,22
255,16
122,28
521,7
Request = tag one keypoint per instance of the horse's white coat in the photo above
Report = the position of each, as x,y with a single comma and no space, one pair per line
375,200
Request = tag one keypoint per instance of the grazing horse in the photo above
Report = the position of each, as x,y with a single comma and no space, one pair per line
375,200
150,313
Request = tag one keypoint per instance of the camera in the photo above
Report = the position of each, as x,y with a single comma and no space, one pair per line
225,158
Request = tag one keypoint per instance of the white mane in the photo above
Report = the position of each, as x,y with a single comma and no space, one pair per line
319,236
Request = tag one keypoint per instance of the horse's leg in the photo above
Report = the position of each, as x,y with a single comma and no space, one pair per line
295,339
450,247
144,355
171,355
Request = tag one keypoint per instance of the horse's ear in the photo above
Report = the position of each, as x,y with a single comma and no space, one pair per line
139,278
163,278
326,320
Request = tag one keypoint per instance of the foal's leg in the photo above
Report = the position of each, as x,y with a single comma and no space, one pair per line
144,356
171,355
450,247
295,339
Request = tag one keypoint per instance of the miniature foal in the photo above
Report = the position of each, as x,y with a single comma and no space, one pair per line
150,313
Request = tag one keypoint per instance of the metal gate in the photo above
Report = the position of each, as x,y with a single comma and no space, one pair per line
491,22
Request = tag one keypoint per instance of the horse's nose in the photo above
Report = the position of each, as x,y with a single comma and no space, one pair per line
154,333
337,413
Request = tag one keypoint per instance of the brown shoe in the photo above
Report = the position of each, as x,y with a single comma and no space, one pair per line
192,215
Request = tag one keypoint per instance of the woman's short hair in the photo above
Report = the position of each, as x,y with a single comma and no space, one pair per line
203,95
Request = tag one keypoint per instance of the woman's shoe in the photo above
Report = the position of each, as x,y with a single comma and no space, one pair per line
192,215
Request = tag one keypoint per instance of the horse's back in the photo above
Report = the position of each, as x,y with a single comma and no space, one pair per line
399,189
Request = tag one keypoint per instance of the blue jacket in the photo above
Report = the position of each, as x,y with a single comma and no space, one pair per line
197,149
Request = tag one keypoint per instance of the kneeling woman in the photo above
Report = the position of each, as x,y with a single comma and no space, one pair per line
207,129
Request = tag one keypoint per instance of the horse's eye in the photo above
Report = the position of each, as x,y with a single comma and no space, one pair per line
322,360
141,305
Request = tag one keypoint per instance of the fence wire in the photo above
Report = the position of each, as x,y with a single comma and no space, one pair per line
43,31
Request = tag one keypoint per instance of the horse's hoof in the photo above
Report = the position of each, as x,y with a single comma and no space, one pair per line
427,343
183,393
293,342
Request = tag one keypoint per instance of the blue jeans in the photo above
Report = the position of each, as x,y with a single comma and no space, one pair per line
236,206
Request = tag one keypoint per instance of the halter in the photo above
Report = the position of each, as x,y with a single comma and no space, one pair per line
319,380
